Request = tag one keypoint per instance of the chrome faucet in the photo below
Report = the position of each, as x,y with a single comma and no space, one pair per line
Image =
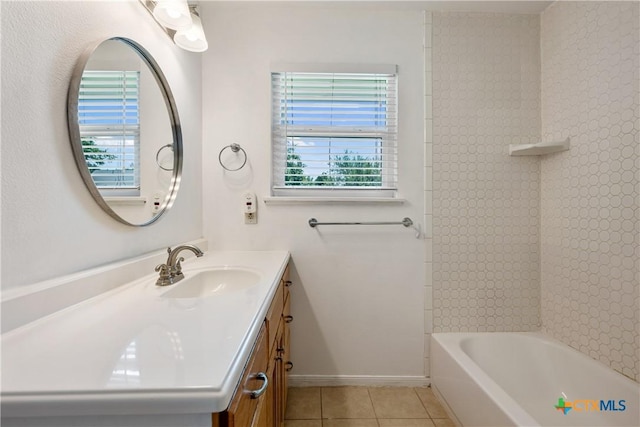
171,272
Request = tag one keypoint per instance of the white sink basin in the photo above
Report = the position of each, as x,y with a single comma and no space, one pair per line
214,282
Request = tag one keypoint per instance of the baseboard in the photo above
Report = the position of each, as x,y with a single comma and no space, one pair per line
357,380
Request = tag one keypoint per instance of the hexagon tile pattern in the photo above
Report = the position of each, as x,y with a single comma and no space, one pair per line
486,95
590,218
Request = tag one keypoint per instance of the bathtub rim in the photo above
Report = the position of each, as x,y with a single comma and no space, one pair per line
451,344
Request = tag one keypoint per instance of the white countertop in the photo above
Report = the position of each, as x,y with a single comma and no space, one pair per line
131,351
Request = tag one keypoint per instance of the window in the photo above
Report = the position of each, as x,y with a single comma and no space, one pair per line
108,116
334,133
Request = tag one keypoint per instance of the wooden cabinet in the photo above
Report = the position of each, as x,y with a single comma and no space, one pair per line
260,399
283,357
250,394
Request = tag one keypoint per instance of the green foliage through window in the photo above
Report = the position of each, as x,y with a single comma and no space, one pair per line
95,156
348,169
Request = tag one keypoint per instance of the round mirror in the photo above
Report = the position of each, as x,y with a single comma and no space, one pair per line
125,131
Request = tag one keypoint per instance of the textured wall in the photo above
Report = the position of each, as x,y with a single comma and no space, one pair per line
350,282
590,214
486,95
51,225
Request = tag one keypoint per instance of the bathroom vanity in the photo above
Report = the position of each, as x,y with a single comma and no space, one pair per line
196,353
261,396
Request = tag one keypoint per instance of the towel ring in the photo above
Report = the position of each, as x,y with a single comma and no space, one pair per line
235,148
158,157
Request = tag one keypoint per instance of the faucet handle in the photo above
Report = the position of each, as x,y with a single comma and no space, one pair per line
178,265
164,278
162,268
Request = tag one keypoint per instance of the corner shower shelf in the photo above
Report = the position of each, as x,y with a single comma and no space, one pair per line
538,149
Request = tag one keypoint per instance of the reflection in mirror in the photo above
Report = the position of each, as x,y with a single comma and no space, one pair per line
125,131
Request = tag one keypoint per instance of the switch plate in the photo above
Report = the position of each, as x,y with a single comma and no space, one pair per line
250,208
249,202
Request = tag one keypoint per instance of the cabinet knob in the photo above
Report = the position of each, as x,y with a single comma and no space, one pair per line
288,283
280,350
289,366
288,319
259,392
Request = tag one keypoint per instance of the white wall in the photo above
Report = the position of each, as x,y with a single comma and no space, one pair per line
590,195
358,300
50,224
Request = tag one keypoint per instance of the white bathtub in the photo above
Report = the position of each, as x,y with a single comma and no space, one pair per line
516,379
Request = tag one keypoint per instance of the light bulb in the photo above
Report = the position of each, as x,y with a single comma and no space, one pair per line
192,39
173,14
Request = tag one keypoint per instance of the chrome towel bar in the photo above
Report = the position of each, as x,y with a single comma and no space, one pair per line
407,222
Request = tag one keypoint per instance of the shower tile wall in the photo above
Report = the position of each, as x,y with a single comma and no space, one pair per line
486,95
590,215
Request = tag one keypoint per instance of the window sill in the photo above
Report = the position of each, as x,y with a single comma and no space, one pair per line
275,200
126,200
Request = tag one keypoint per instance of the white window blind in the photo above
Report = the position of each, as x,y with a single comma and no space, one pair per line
108,115
334,131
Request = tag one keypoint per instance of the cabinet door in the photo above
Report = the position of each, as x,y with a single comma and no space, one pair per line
264,415
275,314
278,377
251,391
286,354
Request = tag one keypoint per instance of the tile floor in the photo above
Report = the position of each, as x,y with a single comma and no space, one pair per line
364,407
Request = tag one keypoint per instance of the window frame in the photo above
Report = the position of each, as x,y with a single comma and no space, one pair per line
129,127
280,143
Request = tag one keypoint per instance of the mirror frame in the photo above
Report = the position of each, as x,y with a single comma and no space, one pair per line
76,142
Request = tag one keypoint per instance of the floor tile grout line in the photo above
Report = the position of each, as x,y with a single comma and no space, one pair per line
422,403
372,405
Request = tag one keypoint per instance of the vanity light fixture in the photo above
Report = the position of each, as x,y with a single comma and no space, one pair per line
181,21
192,38
173,14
